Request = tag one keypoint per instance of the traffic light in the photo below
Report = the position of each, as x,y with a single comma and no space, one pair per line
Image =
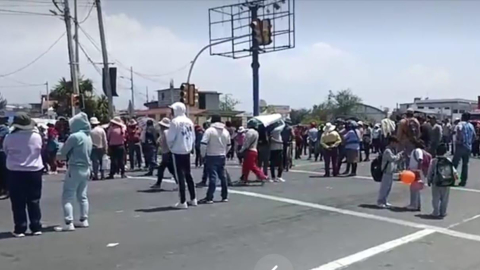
183,92
266,32
256,26
191,95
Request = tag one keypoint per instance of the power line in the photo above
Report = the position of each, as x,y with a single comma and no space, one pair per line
88,15
20,12
34,60
90,59
22,83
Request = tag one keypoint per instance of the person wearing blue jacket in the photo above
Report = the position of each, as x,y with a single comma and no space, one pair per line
77,150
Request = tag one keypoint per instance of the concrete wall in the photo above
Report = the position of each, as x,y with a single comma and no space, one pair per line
165,97
212,101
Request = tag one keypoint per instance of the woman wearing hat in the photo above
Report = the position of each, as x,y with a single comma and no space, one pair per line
330,141
23,149
352,147
116,147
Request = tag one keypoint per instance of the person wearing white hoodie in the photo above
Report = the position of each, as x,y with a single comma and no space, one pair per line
214,147
180,140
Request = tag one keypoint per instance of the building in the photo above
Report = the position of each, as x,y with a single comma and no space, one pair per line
283,110
369,113
207,104
450,108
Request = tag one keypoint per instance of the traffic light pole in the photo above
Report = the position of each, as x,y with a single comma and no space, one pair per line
255,65
105,59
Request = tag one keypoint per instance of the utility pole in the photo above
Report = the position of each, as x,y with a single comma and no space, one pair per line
77,52
48,95
171,91
131,87
73,70
105,58
146,92
255,64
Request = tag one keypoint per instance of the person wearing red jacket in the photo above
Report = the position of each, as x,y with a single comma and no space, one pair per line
134,144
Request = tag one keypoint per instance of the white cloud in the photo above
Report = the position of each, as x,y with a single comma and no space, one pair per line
300,77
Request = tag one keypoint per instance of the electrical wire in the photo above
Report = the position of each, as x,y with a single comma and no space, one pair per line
34,60
20,12
89,13
89,59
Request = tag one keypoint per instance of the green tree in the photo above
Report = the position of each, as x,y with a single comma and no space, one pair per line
3,102
228,103
63,91
342,103
297,116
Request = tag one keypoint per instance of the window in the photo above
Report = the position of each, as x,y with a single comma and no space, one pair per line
431,108
421,107
163,96
447,108
455,111
462,111
202,102
408,106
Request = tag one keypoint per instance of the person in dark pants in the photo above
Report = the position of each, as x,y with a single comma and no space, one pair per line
276,155
100,144
134,145
216,143
166,162
367,141
116,148
180,141
23,149
3,159
287,138
330,141
151,137
465,135
198,138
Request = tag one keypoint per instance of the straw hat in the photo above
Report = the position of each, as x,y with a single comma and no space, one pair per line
329,127
23,121
241,129
165,122
94,121
117,121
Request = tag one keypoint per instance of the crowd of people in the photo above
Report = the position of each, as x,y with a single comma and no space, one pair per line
28,151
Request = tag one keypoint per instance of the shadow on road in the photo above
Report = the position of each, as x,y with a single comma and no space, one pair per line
428,216
158,209
7,235
370,206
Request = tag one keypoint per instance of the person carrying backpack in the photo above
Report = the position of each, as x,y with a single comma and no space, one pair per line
419,163
390,159
441,176
465,135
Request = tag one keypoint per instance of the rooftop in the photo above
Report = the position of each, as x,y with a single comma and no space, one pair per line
178,89
448,100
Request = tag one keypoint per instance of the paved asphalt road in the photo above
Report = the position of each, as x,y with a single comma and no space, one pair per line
305,223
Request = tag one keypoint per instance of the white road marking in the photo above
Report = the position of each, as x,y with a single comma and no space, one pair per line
112,244
360,214
365,254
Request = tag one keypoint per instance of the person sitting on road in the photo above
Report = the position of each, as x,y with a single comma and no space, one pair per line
216,143
390,160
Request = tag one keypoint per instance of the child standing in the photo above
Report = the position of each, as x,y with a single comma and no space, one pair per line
390,160
418,158
441,176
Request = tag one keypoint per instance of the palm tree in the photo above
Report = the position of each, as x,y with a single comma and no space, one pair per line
62,93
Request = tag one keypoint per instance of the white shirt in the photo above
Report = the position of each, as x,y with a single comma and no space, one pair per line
416,158
99,137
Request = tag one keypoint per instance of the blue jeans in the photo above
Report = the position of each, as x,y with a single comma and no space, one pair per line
75,185
216,170
97,161
463,153
151,157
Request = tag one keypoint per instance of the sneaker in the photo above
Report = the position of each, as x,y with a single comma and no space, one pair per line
155,186
382,205
201,184
279,179
148,174
82,224
18,235
65,228
181,205
270,180
205,201
225,200
412,208
193,202
37,233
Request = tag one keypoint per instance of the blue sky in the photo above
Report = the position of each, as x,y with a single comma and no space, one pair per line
385,51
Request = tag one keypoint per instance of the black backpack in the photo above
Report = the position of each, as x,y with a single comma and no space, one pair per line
444,173
376,169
